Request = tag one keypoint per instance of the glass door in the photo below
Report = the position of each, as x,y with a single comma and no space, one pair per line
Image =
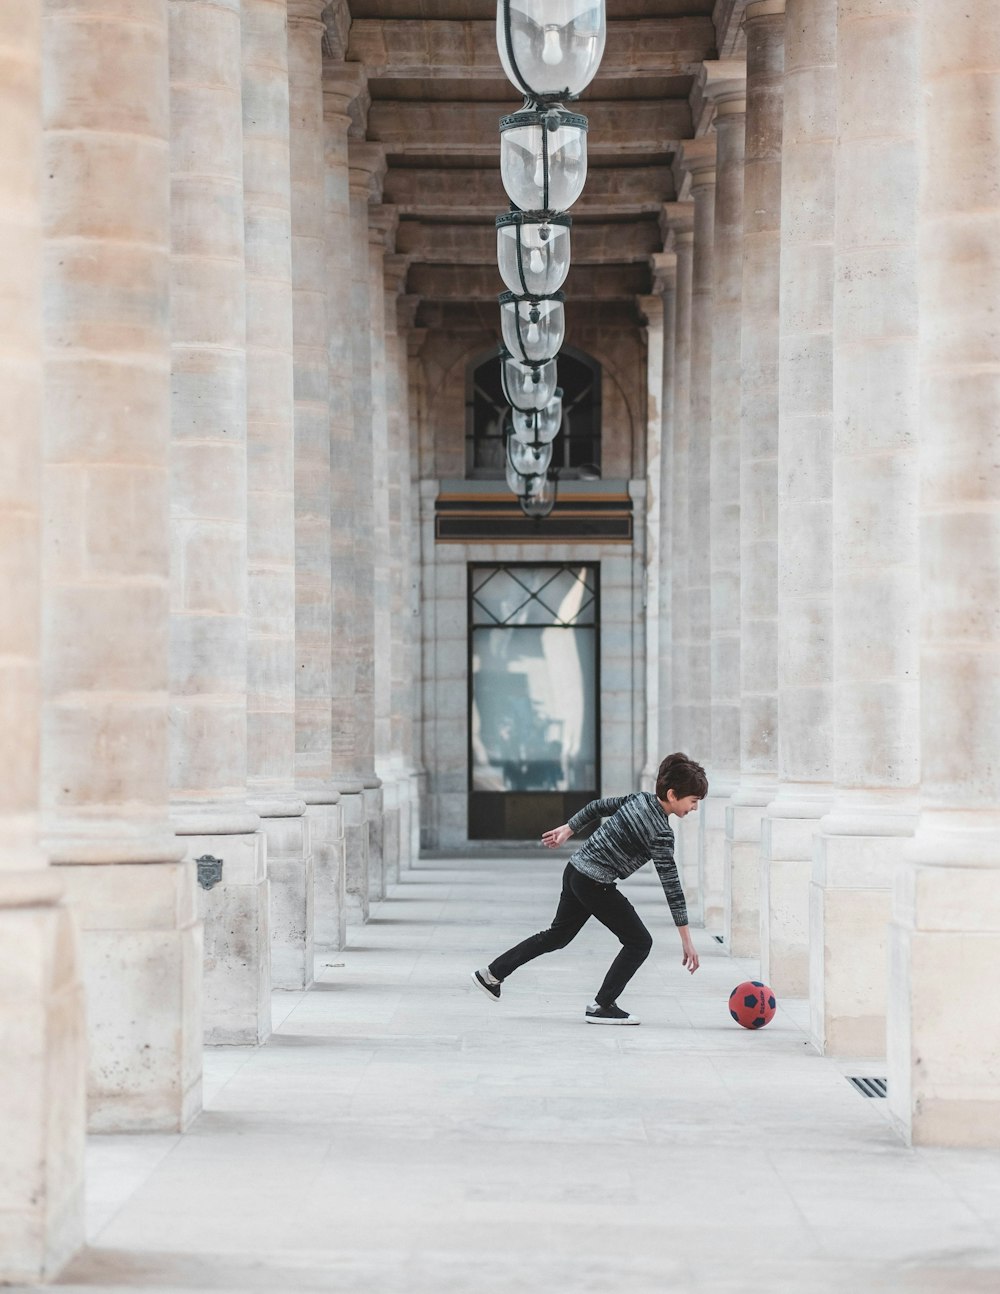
534,754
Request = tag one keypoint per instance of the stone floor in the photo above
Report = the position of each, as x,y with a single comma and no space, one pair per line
402,1134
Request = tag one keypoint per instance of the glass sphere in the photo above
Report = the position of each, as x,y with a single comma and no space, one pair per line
528,460
528,386
539,498
533,328
551,49
543,158
538,426
533,255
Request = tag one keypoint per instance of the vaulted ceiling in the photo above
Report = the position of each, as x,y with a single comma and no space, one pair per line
437,93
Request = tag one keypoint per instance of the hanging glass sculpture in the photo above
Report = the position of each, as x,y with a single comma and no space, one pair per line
550,49
538,426
533,252
532,327
528,460
543,158
525,386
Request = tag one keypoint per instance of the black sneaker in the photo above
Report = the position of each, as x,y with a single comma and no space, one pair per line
612,1014
480,976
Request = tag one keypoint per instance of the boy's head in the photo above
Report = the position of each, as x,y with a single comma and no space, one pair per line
680,782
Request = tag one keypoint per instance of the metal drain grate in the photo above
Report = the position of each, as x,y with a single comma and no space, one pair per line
870,1086
718,939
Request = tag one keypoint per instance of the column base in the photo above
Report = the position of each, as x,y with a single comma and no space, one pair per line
141,943
236,1005
418,786
391,818
687,844
741,921
374,814
787,834
943,1024
352,804
290,870
43,1078
712,812
849,910
325,821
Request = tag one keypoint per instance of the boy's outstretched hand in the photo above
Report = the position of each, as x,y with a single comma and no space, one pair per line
690,959
556,837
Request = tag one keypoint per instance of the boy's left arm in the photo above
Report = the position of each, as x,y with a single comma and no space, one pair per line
666,870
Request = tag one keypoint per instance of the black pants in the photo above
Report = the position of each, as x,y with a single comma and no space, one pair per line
580,900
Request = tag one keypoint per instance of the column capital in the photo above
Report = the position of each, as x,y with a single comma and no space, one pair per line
650,309
407,306
345,87
306,13
337,21
383,221
757,10
664,268
396,268
697,158
367,163
676,218
723,83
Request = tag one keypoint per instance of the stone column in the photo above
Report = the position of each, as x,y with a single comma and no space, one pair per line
105,766
208,506
398,480
728,92
363,819
765,22
679,217
419,543
943,1017
699,162
660,741
651,312
875,531
311,289
43,1060
383,838
342,83
805,462
292,830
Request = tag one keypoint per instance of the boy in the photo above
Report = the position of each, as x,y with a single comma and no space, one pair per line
637,830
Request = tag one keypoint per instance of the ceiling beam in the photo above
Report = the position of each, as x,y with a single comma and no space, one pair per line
423,129
477,244
483,283
479,194
582,317
424,48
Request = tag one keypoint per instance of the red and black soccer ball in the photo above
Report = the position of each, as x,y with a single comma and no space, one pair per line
752,1004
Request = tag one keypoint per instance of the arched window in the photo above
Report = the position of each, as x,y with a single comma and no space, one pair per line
579,439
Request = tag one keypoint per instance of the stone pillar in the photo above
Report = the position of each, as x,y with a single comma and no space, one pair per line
805,463
363,820
314,203
680,219
699,161
208,505
765,23
293,830
419,540
342,83
105,765
660,741
728,93
943,1016
651,311
875,531
43,1060
397,853
383,840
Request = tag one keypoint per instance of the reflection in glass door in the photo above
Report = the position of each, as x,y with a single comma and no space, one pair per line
534,755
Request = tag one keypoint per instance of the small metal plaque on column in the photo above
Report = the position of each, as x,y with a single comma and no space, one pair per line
209,871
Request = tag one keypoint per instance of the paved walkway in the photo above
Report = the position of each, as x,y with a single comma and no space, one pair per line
402,1134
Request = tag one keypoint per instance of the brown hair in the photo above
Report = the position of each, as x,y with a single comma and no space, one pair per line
681,775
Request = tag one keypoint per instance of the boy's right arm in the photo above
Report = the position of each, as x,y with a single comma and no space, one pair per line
596,809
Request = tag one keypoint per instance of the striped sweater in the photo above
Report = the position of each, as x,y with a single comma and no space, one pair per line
637,830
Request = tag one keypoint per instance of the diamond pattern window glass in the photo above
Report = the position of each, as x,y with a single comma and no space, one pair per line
560,596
